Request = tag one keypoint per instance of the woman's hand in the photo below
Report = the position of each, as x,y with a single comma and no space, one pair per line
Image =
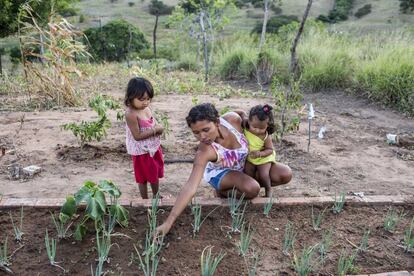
255,154
158,130
162,230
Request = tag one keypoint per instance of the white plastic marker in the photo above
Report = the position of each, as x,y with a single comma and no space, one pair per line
311,115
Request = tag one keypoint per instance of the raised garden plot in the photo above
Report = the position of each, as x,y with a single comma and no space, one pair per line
180,255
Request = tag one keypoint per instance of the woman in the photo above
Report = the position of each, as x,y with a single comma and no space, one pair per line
220,158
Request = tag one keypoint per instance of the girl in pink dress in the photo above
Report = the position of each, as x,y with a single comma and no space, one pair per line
143,136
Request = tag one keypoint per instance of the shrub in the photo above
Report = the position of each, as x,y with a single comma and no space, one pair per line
131,4
366,9
275,23
15,54
340,12
276,9
237,65
81,18
113,42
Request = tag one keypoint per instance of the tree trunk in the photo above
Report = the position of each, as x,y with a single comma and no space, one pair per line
205,55
293,59
266,15
154,37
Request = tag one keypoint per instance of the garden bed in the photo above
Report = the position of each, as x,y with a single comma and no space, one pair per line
181,252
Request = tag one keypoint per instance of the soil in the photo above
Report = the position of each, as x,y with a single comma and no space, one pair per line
181,252
353,156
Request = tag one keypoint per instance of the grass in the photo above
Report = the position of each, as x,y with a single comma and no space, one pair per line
317,220
346,263
325,245
409,237
304,263
364,242
391,219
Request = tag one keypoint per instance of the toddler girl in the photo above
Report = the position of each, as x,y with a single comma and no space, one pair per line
143,136
261,153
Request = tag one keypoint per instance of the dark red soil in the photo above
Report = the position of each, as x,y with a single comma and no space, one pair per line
181,255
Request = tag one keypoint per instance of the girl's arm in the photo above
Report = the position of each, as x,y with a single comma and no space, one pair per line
204,154
234,119
132,122
268,147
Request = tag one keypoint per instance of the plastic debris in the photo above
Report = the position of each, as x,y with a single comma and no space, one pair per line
31,170
321,132
391,139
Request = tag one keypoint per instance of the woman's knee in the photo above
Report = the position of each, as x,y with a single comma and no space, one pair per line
285,175
251,189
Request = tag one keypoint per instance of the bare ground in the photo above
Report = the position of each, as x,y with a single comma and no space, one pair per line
352,157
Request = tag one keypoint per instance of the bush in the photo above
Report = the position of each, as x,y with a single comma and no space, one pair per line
340,12
275,23
276,9
81,18
112,42
366,9
236,65
15,54
131,4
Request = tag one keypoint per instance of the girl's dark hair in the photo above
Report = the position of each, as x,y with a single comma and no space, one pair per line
201,112
137,87
263,112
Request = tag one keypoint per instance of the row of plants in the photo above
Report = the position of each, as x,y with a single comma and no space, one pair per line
106,214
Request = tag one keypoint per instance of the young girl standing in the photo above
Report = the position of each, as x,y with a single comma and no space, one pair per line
143,136
261,153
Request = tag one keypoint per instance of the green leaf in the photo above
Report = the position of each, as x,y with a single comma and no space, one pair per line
69,207
109,186
96,205
120,214
80,232
63,218
83,194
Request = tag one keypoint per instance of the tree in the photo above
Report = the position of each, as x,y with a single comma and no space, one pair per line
115,40
406,6
157,8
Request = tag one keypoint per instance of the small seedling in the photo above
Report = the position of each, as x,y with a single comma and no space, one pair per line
289,238
152,214
325,244
103,246
237,220
18,233
234,203
150,260
253,268
364,242
391,219
304,264
346,263
409,238
196,210
268,206
4,258
339,203
209,263
51,250
317,220
61,228
246,236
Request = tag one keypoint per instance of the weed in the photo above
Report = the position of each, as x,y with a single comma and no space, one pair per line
409,237
339,203
245,240
268,206
317,220
304,264
391,219
18,233
289,238
208,262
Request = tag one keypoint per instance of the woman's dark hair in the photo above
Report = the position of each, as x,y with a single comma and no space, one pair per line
137,87
263,112
201,112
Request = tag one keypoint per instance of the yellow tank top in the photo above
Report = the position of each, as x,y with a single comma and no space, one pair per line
257,144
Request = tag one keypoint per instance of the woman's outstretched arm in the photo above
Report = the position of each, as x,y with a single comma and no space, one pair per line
204,154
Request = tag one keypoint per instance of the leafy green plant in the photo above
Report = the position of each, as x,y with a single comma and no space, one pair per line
95,130
317,220
164,119
339,203
391,219
268,206
51,250
209,263
409,237
18,233
304,264
289,238
96,206
246,236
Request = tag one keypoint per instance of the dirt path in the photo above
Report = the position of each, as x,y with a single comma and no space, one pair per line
353,155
